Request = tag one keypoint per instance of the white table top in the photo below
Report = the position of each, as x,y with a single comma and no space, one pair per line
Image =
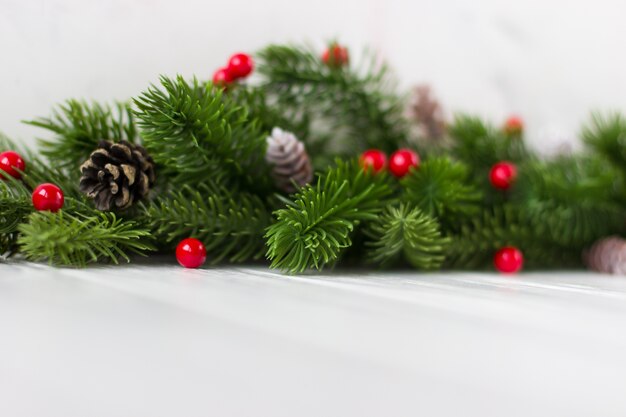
164,341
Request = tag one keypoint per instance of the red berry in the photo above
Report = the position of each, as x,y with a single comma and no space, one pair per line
48,197
373,159
508,260
402,161
502,175
513,126
240,65
9,161
190,253
222,77
335,56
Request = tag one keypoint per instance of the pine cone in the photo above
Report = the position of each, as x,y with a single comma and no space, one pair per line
428,113
290,161
607,255
117,174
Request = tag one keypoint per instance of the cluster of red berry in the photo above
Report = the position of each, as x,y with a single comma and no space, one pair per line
239,66
399,164
45,197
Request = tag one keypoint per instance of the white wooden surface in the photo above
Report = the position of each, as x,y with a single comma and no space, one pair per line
163,341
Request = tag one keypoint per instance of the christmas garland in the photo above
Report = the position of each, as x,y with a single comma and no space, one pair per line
317,163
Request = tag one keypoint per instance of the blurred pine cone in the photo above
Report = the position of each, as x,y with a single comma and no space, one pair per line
428,113
289,159
607,255
117,174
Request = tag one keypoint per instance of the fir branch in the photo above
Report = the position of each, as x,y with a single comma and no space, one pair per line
8,245
269,113
441,188
480,145
360,110
606,135
74,240
575,200
313,230
406,231
576,226
195,131
39,171
79,126
568,179
13,211
480,236
231,225
15,205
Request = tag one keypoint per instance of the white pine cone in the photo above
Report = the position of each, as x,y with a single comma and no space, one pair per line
291,165
607,255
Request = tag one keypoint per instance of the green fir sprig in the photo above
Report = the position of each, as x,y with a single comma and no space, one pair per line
406,232
79,126
442,188
75,240
230,223
313,229
194,131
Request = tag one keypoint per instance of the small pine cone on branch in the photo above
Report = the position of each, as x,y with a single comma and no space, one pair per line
117,174
291,165
607,255
428,113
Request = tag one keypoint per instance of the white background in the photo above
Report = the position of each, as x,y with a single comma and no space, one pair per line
550,61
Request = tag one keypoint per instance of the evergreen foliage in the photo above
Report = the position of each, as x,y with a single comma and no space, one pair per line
13,211
405,231
606,135
358,109
480,145
441,188
269,115
495,227
74,240
572,200
8,245
212,134
78,127
231,224
213,182
39,170
313,230
15,205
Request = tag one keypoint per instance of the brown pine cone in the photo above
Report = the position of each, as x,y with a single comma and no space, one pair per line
607,255
290,161
117,174
428,113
